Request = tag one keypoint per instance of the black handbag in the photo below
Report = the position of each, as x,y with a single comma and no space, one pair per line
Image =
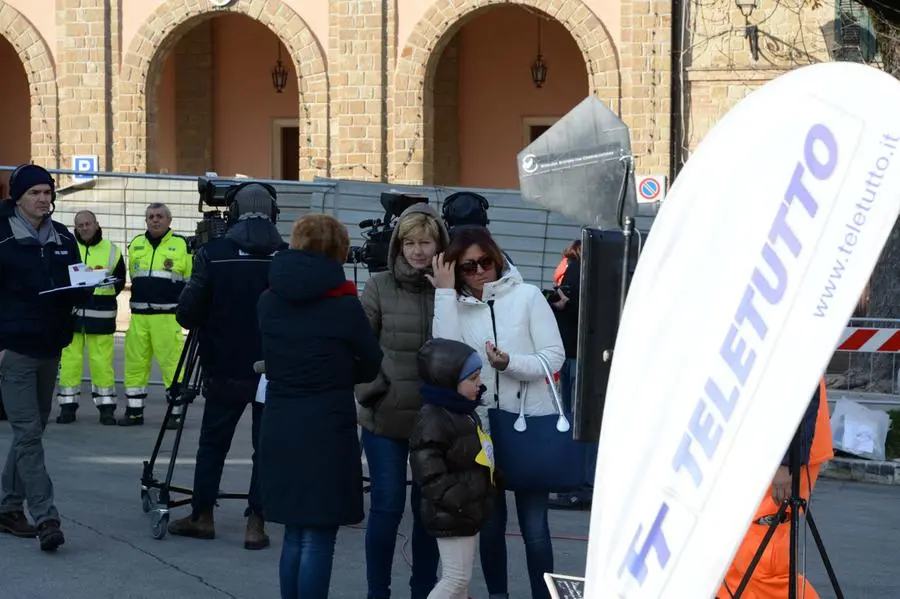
538,453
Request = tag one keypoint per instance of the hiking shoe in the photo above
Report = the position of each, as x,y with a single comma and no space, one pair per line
198,525
67,413
16,524
50,535
256,537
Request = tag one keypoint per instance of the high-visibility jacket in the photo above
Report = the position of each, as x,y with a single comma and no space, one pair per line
159,270
822,449
98,315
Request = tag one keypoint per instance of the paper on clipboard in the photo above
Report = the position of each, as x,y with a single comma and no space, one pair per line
81,276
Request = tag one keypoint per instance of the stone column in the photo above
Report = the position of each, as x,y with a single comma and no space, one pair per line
361,55
646,77
88,54
194,100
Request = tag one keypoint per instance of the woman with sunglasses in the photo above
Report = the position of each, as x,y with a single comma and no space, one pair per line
482,300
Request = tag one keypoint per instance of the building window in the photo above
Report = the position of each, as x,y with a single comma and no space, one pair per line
854,35
534,127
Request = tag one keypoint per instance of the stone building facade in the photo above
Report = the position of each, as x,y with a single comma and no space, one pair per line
369,101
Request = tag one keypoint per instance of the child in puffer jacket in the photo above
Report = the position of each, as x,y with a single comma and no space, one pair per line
452,460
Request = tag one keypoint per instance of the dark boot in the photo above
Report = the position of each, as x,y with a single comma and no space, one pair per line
199,525
67,413
174,421
256,537
107,415
132,417
16,524
50,535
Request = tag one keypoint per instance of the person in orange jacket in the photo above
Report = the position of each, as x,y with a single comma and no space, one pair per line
770,578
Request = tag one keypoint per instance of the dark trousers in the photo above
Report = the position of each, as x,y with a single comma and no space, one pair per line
531,509
221,415
28,386
387,459
307,556
567,389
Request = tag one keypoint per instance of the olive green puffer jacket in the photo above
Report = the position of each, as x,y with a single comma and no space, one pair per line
400,305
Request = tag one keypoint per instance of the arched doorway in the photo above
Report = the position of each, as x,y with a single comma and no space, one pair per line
487,105
15,106
220,105
421,80
173,41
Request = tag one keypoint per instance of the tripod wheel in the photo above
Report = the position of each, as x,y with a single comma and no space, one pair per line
160,525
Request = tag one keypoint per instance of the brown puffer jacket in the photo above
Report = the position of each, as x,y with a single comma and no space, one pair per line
400,305
457,493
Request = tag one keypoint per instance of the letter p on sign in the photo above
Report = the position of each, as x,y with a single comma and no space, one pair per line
84,164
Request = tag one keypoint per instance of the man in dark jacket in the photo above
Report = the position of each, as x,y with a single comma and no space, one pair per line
229,275
35,255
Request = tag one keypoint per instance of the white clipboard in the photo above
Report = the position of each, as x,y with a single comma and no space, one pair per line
84,285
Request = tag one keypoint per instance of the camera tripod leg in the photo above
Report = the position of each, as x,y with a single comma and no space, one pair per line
773,525
824,555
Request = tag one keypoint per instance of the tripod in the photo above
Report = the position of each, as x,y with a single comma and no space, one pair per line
796,503
155,495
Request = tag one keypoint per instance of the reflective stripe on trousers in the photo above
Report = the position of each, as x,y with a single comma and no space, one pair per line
103,396
68,395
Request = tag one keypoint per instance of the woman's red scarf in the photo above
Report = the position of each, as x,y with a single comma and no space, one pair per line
346,288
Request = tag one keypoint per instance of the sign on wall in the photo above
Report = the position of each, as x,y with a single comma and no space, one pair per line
84,164
650,188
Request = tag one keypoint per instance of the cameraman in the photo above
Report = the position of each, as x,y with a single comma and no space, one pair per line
229,275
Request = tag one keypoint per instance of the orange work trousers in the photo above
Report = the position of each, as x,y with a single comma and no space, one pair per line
770,578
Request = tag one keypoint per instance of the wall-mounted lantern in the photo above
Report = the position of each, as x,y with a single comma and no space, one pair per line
751,32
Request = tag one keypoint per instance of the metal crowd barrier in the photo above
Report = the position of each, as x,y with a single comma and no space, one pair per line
864,366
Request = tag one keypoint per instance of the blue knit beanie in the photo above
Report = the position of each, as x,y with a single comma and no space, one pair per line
473,363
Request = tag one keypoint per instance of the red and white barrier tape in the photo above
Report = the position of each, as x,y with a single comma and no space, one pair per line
870,340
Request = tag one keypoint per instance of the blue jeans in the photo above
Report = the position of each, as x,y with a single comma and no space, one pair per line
387,459
306,559
567,389
531,508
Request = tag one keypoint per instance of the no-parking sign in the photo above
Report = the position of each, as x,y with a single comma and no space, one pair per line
650,188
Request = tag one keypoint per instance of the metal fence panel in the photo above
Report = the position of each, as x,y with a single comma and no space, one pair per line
533,237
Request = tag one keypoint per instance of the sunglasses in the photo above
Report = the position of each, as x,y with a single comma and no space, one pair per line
470,267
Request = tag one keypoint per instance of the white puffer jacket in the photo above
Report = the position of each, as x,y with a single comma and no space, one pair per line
526,328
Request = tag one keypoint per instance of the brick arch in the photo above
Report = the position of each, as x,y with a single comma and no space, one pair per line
142,69
413,84
40,69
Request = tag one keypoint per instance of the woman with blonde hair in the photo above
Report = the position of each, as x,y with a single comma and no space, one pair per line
316,346
400,304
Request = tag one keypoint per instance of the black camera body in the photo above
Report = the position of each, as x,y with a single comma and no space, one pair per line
463,208
219,193
553,296
377,232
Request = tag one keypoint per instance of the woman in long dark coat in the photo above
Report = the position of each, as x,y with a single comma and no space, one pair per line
317,345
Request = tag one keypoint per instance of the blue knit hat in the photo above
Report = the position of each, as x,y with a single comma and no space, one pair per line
25,178
473,363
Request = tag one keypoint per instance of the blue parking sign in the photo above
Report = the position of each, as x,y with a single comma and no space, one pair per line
84,164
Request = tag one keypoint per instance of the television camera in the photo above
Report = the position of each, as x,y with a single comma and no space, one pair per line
218,193
463,208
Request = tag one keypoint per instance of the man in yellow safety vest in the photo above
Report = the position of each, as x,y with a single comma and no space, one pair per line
160,263
95,324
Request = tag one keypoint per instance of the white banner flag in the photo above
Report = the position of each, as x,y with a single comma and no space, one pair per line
750,273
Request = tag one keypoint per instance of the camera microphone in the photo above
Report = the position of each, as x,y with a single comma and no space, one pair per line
368,223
